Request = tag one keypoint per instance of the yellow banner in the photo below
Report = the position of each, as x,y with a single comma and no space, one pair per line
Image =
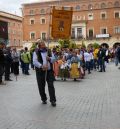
61,23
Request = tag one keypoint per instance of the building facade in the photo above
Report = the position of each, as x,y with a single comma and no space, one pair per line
93,20
15,33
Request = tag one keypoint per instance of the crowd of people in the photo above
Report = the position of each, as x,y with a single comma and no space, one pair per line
73,63
10,62
70,63
53,64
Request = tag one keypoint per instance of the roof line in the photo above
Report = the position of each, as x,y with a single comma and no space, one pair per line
10,14
41,2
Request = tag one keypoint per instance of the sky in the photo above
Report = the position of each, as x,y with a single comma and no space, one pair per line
13,6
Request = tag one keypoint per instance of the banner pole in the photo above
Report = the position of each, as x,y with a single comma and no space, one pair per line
48,42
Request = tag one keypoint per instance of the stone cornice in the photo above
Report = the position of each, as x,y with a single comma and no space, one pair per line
10,16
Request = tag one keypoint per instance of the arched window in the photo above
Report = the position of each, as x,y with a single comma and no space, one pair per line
90,7
103,5
96,6
32,12
110,4
116,4
42,11
77,7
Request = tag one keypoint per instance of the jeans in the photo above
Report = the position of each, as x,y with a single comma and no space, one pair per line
26,68
96,64
116,61
91,64
102,65
88,66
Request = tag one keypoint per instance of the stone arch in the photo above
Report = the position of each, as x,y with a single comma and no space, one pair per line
103,5
105,44
90,7
77,7
42,11
116,44
90,45
110,4
116,4
96,6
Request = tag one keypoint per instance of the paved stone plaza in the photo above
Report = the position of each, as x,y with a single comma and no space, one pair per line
92,103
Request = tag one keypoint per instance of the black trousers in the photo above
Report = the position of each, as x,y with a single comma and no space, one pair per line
16,68
102,64
12,68
7,71
41,75
1,72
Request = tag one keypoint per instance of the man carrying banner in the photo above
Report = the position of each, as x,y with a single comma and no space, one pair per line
44,72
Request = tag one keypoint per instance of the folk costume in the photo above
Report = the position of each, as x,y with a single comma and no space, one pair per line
63,69
74,73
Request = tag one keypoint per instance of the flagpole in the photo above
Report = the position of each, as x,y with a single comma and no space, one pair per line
48,42
49,28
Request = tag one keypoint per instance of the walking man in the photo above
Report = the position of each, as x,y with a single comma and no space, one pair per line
44,72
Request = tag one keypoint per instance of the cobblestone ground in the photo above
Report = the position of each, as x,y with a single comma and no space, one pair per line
92,103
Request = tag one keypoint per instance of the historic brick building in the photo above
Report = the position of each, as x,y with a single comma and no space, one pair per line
93,20
15,35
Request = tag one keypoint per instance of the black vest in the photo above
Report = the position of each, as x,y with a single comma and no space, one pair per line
39,56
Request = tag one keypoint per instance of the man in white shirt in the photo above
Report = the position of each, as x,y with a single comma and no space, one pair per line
87,58
44,72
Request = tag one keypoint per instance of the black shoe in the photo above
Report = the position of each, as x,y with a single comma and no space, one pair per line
8,80
27,74
53,104
89,72
100,71
64,79
44,102
2,83
75,79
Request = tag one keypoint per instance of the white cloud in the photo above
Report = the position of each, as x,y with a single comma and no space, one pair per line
13,6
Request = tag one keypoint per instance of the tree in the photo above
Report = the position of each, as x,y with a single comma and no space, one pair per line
83,44
34,46
96,45
72,44
61,43
66,43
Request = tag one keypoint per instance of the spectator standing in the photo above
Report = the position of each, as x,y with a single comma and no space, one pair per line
15,58
2,63
26,58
